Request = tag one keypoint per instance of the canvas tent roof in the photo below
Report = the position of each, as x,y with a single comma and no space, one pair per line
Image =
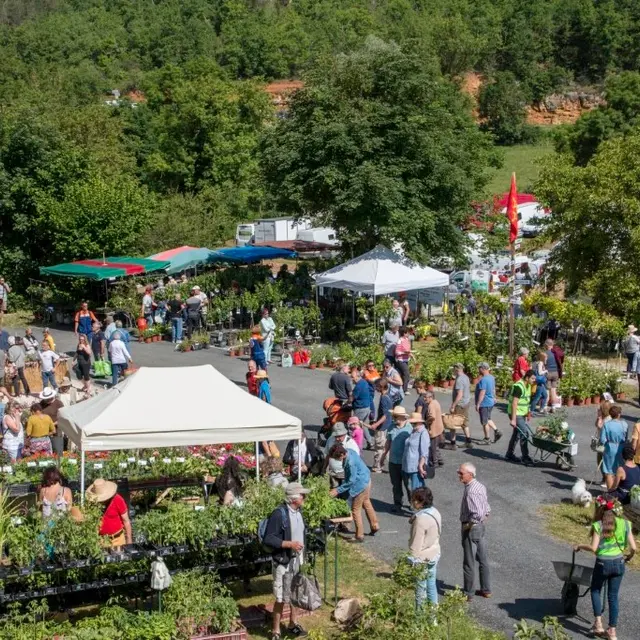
103,268
381,271
193,406
182,258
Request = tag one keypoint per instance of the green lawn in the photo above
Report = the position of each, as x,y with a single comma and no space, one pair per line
522,159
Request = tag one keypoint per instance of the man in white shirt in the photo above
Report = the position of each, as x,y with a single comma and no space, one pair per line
120,357
48,361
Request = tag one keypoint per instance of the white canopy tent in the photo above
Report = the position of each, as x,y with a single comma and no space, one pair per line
381,271
195,406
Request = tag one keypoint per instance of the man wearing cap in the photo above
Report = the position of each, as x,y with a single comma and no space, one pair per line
390,339
518,406
285,534
462,400
361,403
334,468
394,448
204,301
485,400
110,327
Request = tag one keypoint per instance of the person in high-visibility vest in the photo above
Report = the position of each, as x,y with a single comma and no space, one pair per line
518,403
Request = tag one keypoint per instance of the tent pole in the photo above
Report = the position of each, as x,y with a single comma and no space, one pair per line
82,477
257,462
300,459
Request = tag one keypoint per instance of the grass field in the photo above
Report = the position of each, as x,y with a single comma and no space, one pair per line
521,158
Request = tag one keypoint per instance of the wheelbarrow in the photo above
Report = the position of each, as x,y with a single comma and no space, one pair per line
573,576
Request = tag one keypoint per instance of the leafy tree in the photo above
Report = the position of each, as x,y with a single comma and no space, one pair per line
596,219
383,149
502,107
619,115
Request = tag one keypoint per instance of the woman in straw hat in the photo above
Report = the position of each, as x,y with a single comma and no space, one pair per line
115,523
416,452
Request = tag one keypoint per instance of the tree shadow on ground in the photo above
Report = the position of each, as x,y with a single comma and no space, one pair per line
537,608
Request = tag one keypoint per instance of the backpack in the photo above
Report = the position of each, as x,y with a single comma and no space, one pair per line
262,530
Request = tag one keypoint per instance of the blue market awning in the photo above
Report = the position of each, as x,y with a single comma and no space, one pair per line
248,255
183,258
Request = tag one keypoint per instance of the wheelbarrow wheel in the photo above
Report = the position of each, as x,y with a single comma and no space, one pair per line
570,595
562,464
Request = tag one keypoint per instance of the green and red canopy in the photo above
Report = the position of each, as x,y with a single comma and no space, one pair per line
104,268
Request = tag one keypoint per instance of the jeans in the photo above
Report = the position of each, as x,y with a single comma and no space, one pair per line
149,320
116,368
267,345
49,376
518,434
611,572
632,362
427,586
414,480
16,386
176,329
363,415
474,547
398,481
435,455
540,398
403,370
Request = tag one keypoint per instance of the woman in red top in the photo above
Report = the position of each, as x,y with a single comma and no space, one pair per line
521,365
115,524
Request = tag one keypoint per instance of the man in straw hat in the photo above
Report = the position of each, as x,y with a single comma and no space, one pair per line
631,346
416,452
285,535
115,523
394,448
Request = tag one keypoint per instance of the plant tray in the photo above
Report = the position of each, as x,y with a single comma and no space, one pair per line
163,551
181,548
239,634
131,579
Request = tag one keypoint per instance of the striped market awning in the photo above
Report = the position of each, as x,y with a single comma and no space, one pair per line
104,268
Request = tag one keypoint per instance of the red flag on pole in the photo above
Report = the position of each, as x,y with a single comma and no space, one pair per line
512,210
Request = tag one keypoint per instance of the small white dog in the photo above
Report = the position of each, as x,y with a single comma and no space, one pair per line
579,493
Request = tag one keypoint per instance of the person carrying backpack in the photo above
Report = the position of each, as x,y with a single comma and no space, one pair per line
284,535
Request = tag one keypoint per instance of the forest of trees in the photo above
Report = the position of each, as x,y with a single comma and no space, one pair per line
380,135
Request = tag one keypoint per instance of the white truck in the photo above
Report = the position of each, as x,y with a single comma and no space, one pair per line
278,229
323,235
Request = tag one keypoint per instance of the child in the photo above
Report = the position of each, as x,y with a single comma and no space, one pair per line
257,350
355,429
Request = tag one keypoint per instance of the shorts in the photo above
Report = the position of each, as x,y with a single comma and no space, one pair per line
462,411
282,576
3,304
485,415
552,379
85,369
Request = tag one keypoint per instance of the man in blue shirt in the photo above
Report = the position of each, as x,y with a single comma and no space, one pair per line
382,424
361,401
485,401
394,448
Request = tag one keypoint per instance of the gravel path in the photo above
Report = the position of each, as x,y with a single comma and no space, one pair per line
524,583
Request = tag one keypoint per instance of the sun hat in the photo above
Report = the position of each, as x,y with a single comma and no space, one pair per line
11,340
399,412
416,418
261,374
353,420
101,490
339,429
66,382
295,489
458,365
48,393
632,328
195,288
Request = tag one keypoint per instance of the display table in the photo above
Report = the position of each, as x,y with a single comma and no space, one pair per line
34,377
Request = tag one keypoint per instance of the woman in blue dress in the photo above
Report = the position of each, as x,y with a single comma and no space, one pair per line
613,436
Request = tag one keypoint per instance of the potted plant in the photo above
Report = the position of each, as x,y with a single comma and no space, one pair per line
147,335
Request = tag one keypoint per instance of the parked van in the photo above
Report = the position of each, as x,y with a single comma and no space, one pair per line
324,235
245,234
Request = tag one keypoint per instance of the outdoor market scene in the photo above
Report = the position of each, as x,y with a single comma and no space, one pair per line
319,319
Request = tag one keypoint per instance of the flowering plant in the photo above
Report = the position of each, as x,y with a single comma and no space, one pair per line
610,504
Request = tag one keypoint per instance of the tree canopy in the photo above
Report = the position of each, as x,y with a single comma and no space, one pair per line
383,149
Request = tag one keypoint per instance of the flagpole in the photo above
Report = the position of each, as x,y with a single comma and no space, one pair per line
512,294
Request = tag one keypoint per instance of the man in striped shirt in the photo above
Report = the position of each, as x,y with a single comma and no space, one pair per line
474,512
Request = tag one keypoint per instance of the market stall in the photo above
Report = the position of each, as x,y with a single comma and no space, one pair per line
122,418
105,268
183,258
33,373
379,272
